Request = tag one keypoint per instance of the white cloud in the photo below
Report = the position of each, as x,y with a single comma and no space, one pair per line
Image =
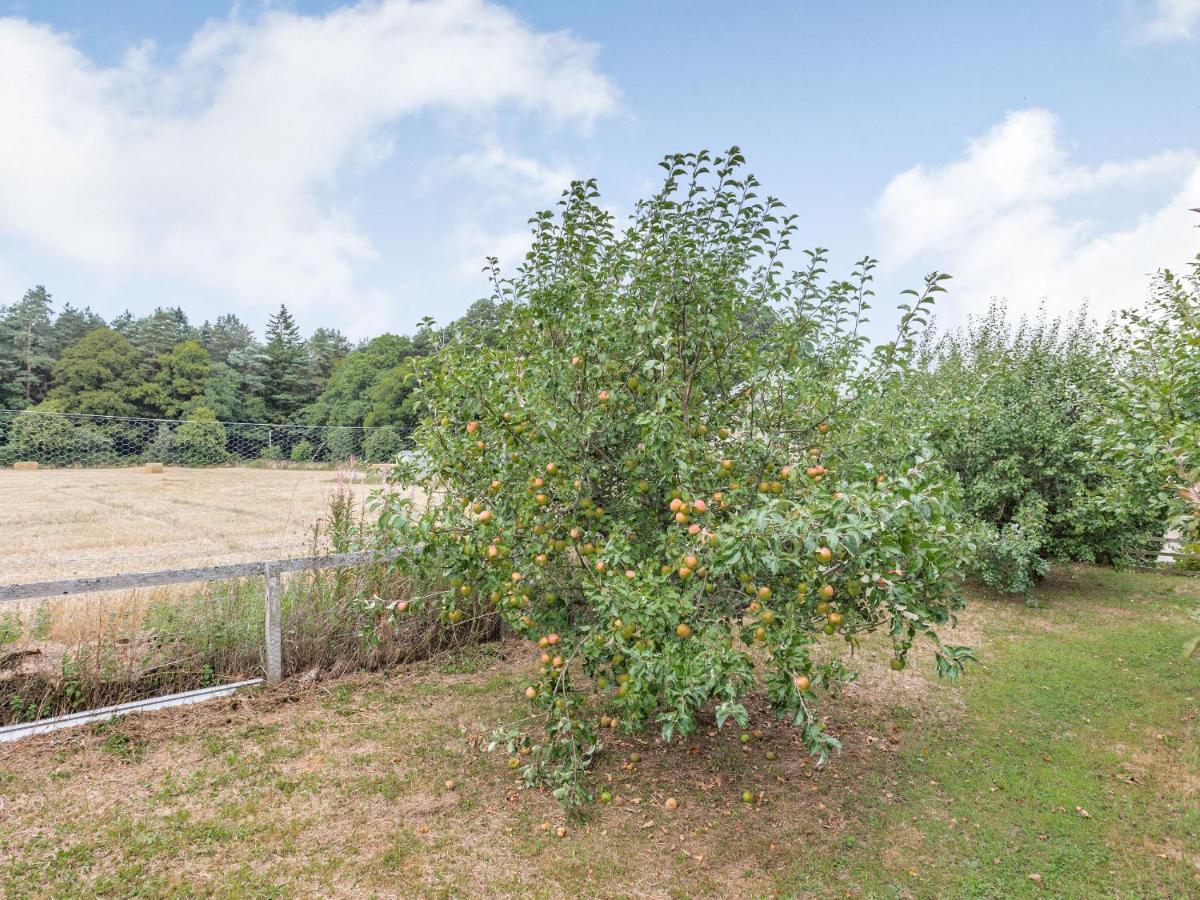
219,167
1171,20
470,246
503,171
1005,221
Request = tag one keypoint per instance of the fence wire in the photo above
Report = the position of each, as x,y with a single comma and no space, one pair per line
57,440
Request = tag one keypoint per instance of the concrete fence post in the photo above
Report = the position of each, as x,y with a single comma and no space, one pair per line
273,628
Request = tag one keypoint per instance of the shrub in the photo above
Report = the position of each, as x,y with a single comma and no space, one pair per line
652,467
271,452
382,445
1008,557
342,443
1019,415
200,441
303,451
42,434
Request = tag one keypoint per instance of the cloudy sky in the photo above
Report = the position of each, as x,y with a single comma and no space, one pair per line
358,161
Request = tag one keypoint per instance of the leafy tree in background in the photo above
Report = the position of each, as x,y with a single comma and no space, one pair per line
482,318
27,347
286,386
234,395
348,397
103,374
392,401
382,445
235,385
1018,414
182,377
42,435
227,339
200,441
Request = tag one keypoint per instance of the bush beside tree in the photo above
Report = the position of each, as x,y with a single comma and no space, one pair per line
1020,416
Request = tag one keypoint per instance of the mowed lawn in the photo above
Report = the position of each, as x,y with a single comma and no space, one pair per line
1065,764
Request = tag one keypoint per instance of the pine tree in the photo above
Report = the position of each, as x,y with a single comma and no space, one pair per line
71,324
286,388
326,348
26,348
227,336
158,332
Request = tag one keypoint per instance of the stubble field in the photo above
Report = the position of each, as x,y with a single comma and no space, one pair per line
64,523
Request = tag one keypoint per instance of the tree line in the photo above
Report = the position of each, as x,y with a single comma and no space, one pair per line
1029,417
70,360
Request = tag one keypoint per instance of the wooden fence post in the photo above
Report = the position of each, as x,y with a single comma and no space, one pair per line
274,632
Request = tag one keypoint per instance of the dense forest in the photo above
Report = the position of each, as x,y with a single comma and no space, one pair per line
161,366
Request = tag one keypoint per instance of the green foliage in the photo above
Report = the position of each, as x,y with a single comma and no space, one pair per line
1158,416
286,385
1009,557
71,324
26,349
326,348
342,443
303,451
653,466
368,387
182,375
1019,415
42,435
101,375
200,440
10,628
382,445
154,335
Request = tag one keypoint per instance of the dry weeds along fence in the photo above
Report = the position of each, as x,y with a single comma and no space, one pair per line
265,618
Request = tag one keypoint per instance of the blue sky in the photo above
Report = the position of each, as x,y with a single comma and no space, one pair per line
358,161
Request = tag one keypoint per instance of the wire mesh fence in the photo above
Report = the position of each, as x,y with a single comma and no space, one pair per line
56,439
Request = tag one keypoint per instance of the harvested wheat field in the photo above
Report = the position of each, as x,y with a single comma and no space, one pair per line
63,523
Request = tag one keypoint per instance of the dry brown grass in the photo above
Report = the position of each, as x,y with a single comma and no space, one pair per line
343,791
64,523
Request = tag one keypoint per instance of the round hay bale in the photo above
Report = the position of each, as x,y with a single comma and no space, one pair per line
27,466
154,468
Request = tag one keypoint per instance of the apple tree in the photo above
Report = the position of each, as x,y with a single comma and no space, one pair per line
652,463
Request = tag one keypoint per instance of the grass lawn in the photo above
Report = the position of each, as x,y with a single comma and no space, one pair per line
1066,764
